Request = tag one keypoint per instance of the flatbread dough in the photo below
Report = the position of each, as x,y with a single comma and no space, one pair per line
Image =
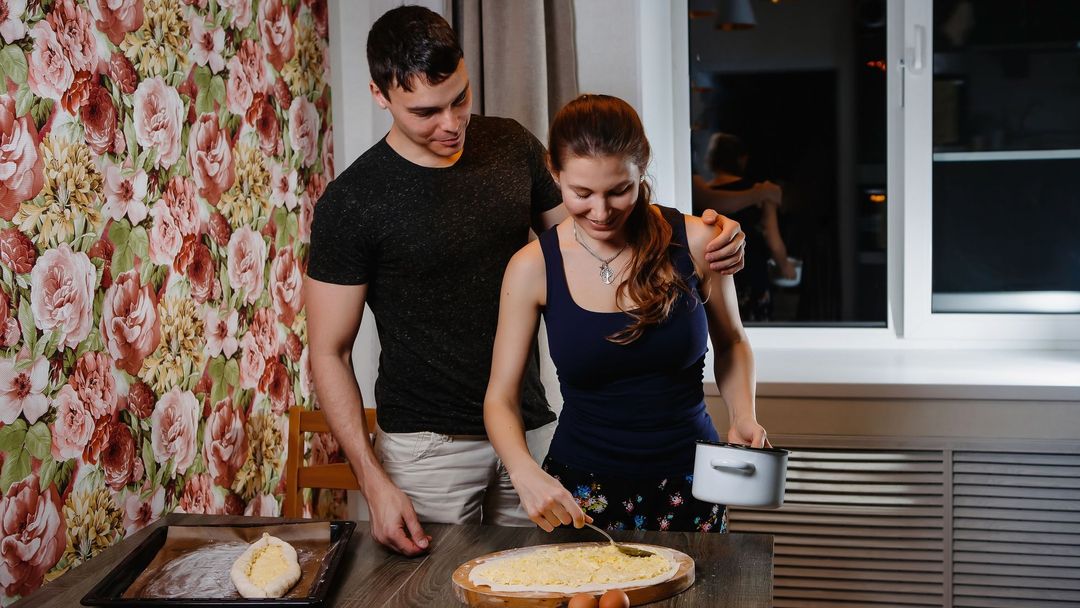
576,569
267,568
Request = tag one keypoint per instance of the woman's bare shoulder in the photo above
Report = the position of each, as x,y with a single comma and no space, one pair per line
698,235
527,264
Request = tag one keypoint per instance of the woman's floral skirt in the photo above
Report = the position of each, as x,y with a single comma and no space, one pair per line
617,503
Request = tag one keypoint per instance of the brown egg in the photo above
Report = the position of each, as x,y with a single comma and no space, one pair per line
582,600
615,598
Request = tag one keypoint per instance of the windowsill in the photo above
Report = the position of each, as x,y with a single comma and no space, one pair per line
919,374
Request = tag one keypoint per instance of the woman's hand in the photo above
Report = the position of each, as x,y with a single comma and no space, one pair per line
545,500
747,431
786,268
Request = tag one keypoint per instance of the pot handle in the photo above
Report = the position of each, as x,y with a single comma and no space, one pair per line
732,466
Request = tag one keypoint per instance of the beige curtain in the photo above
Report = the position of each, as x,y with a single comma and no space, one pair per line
520,56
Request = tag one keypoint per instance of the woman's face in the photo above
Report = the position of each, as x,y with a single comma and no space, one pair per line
599,193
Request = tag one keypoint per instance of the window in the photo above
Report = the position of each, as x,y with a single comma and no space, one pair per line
794,93
984,147
954,204
1006,153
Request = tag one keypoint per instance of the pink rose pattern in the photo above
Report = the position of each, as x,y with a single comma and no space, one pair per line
93,381
224,442
129,322
172,428
159,116
74,425
33,535
50,72
114,18
72,24
304,130
210,157
100,332
21,171
62,294
247,261
275,25
285,282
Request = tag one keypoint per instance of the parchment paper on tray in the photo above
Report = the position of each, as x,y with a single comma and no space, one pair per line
194,562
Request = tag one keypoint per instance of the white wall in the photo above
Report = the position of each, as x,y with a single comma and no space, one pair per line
623,45
605,32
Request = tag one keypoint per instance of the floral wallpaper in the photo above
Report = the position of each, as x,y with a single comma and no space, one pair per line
159,161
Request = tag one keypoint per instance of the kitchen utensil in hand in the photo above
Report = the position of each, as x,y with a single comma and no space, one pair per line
625,549
739,475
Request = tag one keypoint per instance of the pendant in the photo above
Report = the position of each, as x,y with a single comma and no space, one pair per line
606,275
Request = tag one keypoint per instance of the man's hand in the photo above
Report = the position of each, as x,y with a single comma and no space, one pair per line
726,253
393,520
770,192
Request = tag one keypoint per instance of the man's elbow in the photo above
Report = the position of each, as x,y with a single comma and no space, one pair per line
337,355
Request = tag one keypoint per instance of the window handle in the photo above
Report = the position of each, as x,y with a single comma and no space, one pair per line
916,53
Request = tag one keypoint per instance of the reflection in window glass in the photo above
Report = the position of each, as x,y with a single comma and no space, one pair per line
793,94
1006,135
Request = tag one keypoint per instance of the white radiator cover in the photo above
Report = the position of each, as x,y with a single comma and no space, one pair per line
925,522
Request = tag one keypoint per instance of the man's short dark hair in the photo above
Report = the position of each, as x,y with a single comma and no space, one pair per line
409,42
725,154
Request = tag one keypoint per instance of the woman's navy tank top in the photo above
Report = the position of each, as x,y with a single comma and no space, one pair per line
628,410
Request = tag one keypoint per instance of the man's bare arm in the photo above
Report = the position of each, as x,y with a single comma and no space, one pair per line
728,202
334,313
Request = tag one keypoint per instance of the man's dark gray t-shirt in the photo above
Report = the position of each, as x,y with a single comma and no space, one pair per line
432,244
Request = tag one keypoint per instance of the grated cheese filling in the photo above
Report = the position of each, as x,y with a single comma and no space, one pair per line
588,567
268,563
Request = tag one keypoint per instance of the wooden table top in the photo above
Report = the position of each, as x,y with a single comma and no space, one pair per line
732,569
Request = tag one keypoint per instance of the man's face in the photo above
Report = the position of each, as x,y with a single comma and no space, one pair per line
429,121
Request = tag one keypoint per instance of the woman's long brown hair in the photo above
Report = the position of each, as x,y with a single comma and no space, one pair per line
598,126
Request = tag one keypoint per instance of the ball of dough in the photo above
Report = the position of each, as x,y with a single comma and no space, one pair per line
267,568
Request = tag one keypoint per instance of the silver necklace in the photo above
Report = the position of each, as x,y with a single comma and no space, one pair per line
606,274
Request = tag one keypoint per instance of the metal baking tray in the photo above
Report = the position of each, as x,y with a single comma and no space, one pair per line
110,590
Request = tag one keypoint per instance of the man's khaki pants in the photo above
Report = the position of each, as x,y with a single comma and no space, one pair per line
457,479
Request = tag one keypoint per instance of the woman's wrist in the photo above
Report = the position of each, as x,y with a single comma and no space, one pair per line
520,465
742,418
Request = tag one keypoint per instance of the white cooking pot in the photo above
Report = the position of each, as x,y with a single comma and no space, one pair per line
738,475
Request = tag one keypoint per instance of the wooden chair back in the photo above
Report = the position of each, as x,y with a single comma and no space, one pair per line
337,476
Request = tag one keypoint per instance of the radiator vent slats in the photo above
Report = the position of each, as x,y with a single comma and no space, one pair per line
867,527
858,528
1016,525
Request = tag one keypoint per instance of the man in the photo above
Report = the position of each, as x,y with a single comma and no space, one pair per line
420,228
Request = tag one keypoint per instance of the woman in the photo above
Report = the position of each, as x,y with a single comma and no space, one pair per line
628,318
727,158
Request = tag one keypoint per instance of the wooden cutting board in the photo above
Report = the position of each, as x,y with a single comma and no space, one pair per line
484,597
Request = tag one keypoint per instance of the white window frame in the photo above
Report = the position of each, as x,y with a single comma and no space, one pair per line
919,319
910,320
